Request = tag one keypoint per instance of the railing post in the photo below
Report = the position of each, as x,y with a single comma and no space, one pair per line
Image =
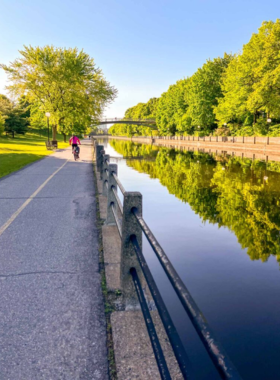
95,145
105,176
130,227
102,165
99,150
110,199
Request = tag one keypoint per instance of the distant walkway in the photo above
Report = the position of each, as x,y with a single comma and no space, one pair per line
52,322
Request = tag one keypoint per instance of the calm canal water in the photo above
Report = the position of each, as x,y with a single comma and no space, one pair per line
218,220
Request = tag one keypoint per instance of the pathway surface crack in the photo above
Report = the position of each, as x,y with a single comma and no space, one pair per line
37,272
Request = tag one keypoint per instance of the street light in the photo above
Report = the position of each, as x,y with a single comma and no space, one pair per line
268,121
48,116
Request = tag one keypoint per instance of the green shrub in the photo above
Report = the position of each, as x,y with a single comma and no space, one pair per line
261,127
222,131
274,130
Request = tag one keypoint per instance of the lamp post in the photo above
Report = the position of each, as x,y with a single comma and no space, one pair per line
48,116
268,121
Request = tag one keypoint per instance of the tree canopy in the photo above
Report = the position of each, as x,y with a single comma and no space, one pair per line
64,82
237,92
251,84
204,92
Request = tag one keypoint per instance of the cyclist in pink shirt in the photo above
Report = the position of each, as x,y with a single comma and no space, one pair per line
74,140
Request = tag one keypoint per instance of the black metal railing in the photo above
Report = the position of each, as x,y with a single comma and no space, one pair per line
117,219
213,347
119,183
161,362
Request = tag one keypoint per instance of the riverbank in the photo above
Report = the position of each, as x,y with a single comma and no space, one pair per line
260,148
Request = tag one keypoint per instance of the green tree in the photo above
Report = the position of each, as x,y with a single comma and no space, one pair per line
172,108
142,110
203,93
14,116
64,82
251,83
241,90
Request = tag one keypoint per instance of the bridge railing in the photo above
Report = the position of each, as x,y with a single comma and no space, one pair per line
128,218
113,119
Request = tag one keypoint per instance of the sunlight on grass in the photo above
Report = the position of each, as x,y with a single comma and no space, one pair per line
22,150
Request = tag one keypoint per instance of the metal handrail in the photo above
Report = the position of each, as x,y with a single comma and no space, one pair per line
167,322
118,222
119,203
212,345
161,362
119,182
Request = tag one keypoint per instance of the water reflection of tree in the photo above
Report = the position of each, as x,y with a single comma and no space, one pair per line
227,191
131,149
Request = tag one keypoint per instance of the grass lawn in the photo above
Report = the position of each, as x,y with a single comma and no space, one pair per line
22,150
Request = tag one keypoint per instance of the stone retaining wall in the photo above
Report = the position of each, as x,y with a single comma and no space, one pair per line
264,148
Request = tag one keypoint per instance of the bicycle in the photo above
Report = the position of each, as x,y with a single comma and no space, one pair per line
76,151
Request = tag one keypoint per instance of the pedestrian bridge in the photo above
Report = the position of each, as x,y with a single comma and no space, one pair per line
118,120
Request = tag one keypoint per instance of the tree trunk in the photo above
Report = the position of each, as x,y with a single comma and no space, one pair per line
255,117
64,137
54,129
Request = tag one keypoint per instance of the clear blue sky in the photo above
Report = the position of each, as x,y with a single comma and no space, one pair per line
141,46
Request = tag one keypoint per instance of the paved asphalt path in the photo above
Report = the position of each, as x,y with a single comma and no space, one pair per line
52,323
